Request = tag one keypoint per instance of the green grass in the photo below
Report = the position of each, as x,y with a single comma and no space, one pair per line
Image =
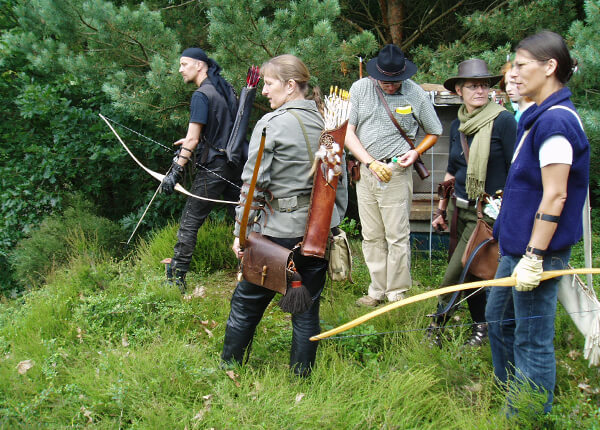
113,347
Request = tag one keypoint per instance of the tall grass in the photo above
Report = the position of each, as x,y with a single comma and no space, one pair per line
113,347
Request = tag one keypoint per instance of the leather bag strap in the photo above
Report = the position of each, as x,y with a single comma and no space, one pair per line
391,115
465,146
310,153
250,194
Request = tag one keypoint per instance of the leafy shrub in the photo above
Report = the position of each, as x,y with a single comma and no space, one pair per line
59,236
350,226
213,247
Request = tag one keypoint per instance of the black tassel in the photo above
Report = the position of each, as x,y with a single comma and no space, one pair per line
297,298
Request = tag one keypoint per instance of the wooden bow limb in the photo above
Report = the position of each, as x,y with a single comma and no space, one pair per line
500,282
158,176
452,303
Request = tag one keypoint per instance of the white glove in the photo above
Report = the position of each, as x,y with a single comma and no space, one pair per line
528,273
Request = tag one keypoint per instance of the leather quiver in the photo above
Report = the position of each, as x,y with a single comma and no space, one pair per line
322,198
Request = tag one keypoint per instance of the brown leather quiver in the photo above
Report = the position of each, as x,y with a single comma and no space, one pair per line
322,197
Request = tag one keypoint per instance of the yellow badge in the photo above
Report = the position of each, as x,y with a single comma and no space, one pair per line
404,110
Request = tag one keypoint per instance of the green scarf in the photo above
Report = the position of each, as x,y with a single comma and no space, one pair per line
480,123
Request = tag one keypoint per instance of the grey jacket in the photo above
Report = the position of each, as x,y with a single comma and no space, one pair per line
285,171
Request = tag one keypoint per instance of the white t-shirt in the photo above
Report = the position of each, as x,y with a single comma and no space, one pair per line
556,150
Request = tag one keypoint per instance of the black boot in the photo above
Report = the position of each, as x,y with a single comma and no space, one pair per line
479,333
304,351
176,277
236,347
433,335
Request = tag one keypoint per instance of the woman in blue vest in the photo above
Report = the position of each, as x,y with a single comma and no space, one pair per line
540,220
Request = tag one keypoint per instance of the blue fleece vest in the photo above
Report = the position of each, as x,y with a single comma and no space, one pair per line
523,189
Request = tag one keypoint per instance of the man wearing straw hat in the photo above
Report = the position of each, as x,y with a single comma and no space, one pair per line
384,191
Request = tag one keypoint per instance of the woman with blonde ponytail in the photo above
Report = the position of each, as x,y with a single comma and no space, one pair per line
281,199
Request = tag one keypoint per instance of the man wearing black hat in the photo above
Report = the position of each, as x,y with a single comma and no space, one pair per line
384,191
212,114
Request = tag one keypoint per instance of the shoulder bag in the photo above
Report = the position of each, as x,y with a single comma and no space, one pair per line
485,248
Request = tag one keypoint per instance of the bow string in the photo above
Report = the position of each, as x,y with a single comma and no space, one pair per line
159,176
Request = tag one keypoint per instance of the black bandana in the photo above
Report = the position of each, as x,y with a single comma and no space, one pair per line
196,54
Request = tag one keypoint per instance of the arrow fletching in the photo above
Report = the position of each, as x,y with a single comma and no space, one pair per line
253,76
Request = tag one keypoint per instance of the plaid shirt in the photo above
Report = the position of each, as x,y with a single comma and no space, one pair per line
375,129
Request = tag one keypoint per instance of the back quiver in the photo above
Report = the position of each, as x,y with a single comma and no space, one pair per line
328,168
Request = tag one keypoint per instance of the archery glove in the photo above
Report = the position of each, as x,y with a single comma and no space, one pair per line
172,178
528,273
383,172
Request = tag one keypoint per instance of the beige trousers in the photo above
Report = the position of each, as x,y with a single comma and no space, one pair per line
384,211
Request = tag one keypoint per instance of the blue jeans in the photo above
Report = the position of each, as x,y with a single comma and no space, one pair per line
521,329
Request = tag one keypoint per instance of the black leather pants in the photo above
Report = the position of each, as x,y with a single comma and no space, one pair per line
206,184
249,302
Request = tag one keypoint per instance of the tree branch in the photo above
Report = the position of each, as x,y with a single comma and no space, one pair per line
178,5
145,60
352,23
423,28
493,9
82,20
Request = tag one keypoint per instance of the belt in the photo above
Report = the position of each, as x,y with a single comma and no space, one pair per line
464,203
291,204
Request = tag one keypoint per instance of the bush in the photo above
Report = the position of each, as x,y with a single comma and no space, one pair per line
58,237
213,247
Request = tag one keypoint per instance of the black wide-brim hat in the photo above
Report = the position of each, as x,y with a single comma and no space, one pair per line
391,65
471,69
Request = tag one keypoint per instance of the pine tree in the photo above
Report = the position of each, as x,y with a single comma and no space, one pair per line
585,83
252,31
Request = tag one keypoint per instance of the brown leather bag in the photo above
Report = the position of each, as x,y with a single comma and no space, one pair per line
266,263
420,168
353,167
485,262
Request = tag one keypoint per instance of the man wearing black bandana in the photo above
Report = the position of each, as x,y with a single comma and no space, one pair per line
212,113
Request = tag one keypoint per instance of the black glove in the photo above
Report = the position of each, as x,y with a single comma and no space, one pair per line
172,178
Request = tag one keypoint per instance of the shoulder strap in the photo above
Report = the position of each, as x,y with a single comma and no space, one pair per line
465,145
518,149
389,112
250,195
570,110
310,154
527,131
